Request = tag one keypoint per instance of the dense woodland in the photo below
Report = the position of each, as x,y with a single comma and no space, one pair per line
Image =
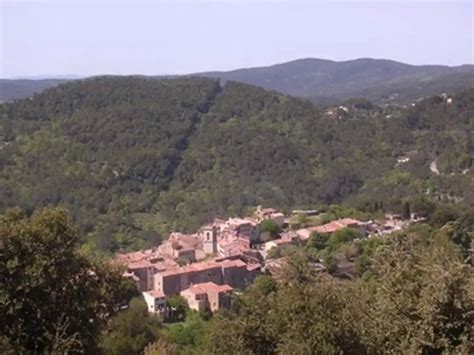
133,158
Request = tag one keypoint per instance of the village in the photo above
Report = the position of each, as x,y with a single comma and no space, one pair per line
225,256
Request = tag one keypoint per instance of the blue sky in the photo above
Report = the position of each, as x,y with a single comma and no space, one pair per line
174,37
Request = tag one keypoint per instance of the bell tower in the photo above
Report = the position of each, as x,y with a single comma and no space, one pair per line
210,239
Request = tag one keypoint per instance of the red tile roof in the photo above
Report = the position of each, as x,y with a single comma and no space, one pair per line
156,293
139,265
206,287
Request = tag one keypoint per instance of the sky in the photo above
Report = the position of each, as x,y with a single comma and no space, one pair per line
82,38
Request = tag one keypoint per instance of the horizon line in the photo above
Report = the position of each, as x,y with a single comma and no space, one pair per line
78,76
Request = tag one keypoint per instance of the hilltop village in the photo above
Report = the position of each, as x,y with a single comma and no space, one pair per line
225,256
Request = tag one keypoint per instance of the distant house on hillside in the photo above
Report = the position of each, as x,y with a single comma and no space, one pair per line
330,227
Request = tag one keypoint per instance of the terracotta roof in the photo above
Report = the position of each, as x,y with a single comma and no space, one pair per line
165,265
191,268
139,265
349,221
132,257
232,263
330,227
156,293
252,267
206,287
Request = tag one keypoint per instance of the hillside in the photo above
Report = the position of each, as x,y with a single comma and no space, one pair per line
322,81
325,81
11,89
132,158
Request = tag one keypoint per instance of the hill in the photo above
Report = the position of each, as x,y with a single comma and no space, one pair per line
326,81
132,158
321,81
11,89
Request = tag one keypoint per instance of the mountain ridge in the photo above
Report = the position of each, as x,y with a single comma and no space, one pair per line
320,80
375,79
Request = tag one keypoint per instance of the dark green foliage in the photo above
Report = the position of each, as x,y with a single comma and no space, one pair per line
189,336
317,241
275,252
270,227
343,236
53,298
443,214
406,213
179,304
418,299
103,148
265,283
131,330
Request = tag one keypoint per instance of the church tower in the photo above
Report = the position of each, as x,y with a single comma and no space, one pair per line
210,239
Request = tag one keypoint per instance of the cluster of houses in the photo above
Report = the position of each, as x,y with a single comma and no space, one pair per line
204,267
225,255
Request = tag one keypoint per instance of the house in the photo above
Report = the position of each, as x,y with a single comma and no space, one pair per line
270,214
155,301
285,240
144,271
231,245
207,295
243,227
307,213
330,227
339,224
236,273
181,246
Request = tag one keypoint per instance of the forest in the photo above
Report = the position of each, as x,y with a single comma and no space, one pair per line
132,158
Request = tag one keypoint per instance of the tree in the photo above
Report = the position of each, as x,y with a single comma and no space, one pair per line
130,330
443,214
179,304
318,241
306,315
188,335
406,213
275,252
161,347
420,299
54,299
343,236
269,226
265,283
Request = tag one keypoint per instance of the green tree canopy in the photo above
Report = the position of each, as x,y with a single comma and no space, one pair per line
53,298
131,330
419,299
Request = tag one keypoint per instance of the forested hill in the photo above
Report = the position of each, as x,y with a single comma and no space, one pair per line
322,81
11,89
380,80
132,158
